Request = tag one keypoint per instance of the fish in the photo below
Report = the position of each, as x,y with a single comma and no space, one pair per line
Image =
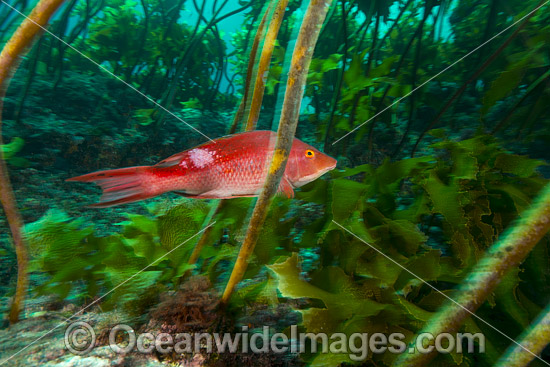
228,167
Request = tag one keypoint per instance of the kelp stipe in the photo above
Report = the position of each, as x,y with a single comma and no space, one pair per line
534,339
504,255
474,77
263,63
244,105
13,50
301,59
250,102
457,203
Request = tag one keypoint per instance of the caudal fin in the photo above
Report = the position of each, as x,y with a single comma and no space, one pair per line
120,186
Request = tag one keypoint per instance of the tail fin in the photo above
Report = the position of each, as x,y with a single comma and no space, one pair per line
120,186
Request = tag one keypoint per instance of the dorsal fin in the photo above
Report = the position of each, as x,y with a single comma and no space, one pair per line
173,160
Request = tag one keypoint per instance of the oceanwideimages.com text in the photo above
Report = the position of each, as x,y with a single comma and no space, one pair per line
80,338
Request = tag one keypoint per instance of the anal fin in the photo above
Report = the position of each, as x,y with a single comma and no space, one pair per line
211,195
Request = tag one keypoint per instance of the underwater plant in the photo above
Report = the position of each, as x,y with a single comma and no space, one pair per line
301,58
499,259
9,59
10,150
251,104
276,19
533,340
120,263
477,73
379,246
436,216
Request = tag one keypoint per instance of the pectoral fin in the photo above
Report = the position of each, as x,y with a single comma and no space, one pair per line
286,188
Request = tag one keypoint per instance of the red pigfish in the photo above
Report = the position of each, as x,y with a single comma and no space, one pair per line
230,166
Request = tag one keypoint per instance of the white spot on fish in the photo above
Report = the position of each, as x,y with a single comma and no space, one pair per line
201,157
183,164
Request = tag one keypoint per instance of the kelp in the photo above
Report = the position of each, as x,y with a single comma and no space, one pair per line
263,63
196,39
342,68
301,59
81,265
534,340
254,83
252,62
70,252
496,87
13,50
476,74
435,215
376,101
504,255
10,150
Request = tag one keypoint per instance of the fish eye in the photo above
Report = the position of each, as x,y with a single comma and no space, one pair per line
310,153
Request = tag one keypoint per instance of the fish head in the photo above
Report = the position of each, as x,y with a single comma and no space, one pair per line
306,164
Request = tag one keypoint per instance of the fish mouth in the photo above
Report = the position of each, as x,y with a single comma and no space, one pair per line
307,179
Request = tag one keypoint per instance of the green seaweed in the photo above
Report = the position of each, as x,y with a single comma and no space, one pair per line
14,48
466,194
10,150
69,251
436,214
402,208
